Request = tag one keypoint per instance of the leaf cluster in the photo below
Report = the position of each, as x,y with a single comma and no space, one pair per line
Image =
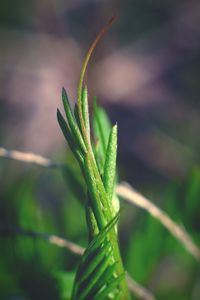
99,171
95,277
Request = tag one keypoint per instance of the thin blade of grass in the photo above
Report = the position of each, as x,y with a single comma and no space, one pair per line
85,111
109,175
72,122
67,134
113,284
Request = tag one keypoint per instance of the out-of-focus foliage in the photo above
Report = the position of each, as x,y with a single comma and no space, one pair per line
35,269
157,259
31,267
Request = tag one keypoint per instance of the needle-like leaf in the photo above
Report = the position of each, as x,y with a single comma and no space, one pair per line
67,133
109,174
96,203
102,128
110,289
85,111
72,123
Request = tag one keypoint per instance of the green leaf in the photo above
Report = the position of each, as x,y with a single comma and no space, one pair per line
94,178
101,128
76,115
85,111
109,175
68,135
93,260
93,229
105,277
99,238
92,279
96,204
111,288
95,263
72,122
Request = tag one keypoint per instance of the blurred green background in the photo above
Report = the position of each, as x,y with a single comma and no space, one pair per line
146,74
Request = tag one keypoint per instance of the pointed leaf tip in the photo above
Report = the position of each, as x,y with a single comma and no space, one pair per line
58,113
64,91
64,95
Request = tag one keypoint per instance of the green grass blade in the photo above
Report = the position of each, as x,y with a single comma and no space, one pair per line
101,123
67,134
105,278
72,122
100,237
94,277
93,229
93,260
111,288
77,116
96,204
85,111
109,174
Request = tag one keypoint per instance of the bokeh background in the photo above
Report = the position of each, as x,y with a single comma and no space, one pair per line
145,72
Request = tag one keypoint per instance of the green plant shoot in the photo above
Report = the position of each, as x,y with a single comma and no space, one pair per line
100,274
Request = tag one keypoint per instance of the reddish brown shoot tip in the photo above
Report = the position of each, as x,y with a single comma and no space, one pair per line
112,19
